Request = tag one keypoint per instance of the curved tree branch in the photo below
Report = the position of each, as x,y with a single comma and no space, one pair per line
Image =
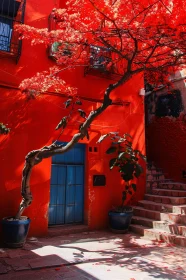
36,156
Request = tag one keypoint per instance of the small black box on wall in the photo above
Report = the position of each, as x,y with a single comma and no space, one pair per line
184,174
99,180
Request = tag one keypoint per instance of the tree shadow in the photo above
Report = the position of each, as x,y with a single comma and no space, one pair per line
61,254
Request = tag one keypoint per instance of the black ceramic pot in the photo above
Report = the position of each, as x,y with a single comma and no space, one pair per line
120,222
15,231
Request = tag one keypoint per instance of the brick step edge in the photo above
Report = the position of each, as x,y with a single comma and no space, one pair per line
168,192
157,235
172,186
166,199
159,216
166,208
160,181
139,208
142,221
170,227
139,229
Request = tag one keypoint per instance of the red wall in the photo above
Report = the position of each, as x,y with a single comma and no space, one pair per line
167,145
33,123
166,136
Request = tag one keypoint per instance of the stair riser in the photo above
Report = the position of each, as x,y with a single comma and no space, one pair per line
177,240
173,229
172,186
160,208
142,222
168,193
160,216
151,185
165,200
154,172
155,177
158,236
153,168
179,210
136,230
180,242
164,208
155,184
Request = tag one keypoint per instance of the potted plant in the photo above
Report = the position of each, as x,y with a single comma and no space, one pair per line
126,160
14,230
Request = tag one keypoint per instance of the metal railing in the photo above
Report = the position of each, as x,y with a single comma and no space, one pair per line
100,58
11,13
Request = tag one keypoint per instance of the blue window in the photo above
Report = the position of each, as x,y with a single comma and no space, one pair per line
6,25
10,12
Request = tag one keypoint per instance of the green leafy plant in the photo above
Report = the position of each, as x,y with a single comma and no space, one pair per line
4,129
126,160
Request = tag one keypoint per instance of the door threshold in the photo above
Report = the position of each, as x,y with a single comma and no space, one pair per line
61,230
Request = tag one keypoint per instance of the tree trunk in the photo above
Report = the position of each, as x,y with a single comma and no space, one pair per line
36,156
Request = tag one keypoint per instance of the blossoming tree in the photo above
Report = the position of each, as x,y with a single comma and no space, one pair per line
142,36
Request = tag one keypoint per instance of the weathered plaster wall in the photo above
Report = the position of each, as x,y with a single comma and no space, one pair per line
33,123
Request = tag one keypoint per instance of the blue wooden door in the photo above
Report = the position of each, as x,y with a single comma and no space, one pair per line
67,187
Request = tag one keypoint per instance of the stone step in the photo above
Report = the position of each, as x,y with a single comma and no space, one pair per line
154,172
158,235
179,209
165,192
172,186
166,199
137,220
155,183
172,228
161,181
137,229
159,216
154,169
155,177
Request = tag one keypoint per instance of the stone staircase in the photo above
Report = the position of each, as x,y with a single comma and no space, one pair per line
162,214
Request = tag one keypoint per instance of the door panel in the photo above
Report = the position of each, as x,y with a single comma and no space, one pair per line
60,209
67,187
79,193
57,195
70,195
79,202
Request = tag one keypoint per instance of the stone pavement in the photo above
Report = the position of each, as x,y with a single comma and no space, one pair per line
97,255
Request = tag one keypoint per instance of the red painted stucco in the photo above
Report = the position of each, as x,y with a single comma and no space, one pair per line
33,123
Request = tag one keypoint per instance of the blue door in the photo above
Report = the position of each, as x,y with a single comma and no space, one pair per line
67,187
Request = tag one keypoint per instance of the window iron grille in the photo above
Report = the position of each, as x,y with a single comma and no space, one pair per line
100,58
11,13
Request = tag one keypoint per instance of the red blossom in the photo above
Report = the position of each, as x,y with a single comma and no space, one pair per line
141,36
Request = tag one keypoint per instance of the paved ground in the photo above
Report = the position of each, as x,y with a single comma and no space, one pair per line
93,256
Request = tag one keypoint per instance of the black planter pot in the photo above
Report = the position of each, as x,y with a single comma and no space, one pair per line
15,231
120,222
